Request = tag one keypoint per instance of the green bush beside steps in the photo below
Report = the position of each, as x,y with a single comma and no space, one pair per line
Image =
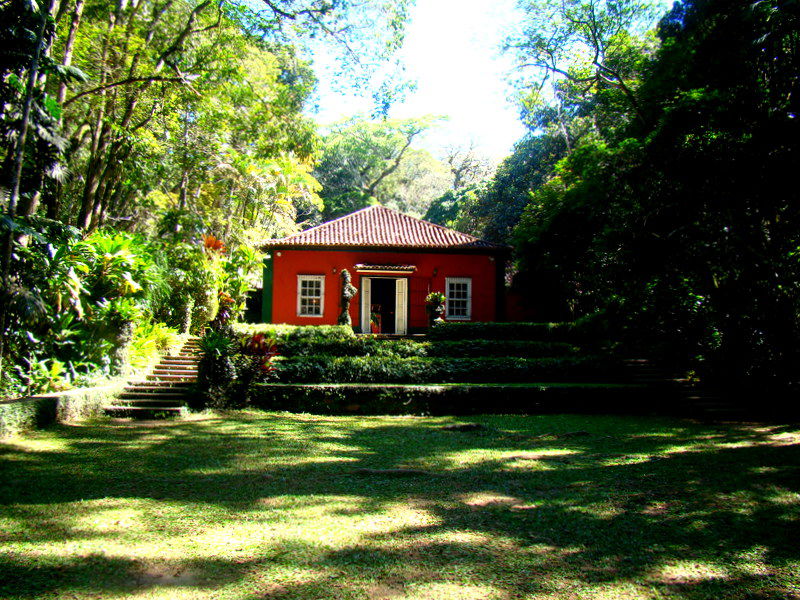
592,328
455,399
380,369
405,348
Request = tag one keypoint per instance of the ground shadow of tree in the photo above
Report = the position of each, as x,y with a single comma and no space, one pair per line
532,506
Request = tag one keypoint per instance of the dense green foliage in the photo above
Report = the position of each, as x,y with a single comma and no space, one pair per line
684,219
365,163
404,348
592,328
456,399
377,369
656,182
148,149
27,414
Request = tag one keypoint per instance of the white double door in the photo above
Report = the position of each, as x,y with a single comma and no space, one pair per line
400,304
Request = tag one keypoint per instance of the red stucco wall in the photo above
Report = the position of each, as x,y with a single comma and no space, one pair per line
432,269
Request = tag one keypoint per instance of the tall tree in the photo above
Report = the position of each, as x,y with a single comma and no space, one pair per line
689,223
359,158
584,42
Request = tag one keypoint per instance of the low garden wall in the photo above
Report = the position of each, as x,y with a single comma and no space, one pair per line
34,412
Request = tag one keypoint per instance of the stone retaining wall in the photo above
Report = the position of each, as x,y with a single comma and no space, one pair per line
34,412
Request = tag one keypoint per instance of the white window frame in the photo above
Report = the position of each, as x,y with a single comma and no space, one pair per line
300,280
447,282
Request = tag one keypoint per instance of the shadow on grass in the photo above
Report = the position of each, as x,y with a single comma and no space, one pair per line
617,506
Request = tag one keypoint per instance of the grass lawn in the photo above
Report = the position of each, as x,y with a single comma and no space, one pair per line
263,505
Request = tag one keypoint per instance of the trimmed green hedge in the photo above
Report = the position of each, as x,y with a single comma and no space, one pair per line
480,348
405,348
454,399
26,414
355,346
379,369
286,333
501,331
587,329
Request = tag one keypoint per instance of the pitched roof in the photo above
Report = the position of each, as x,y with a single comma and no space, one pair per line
378,226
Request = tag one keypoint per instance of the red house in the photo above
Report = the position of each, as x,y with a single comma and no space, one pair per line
395,261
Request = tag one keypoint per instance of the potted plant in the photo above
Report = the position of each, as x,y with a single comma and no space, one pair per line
375,318
434,304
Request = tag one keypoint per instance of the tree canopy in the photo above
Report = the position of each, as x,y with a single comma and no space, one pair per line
150,147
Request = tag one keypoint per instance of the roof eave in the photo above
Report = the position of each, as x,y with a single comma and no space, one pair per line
483,249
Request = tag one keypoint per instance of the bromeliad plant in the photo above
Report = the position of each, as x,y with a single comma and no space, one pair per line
254,364
215,368
260,350
227,368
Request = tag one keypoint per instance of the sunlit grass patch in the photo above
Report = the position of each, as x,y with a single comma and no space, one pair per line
690,572
256,505
494,458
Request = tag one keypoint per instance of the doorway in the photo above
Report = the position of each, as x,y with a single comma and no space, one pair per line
384,305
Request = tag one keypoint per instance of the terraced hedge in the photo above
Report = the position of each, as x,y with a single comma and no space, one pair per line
296,333
405,348
592,328
380,369
456,399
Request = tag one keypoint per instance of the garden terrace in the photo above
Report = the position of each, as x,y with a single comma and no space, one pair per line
515,368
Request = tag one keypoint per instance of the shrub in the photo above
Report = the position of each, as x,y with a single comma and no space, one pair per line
353,346
404,348
588,329
25,414
296,333
215,367
376,399
227,369
376,369
149,341
480,348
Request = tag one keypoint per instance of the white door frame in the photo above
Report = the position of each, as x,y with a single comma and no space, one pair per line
400,308
366,302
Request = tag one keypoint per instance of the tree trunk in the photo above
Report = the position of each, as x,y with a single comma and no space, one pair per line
16,175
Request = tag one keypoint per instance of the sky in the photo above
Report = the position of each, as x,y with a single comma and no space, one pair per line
452,50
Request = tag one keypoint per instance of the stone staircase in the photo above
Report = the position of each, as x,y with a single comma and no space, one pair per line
165,389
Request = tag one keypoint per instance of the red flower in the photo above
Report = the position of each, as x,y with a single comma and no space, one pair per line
213,244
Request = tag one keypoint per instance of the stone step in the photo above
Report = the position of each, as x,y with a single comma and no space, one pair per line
181,369
144,403
149,412
165,386
154,394
168,377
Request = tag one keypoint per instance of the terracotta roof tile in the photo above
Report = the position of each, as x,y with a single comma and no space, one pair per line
380,226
